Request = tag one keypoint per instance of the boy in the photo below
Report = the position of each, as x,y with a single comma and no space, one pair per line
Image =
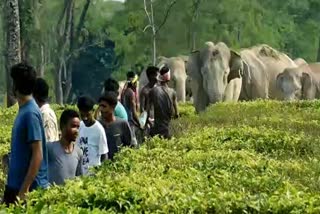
40,93
64,156
92,137
28,165
117,130
164,102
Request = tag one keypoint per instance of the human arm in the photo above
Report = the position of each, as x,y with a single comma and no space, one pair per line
34,166
134,110
142,100
126,134
103,145
79,170
34,137
149,102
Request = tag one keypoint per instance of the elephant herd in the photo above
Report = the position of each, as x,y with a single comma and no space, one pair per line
216,73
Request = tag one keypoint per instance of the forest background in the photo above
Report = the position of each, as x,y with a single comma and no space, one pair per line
76,44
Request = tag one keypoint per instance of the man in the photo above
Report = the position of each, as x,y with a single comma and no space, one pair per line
120,112
49,118
152,74
65,157
92,137
130,102
28,167
164,101
117,130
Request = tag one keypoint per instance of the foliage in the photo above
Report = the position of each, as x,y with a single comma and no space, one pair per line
250,157
290,26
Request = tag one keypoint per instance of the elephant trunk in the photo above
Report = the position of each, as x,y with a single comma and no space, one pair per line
180,87
215,91
214,98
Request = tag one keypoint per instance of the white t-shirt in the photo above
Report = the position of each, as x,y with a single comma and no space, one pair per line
50,123
93,142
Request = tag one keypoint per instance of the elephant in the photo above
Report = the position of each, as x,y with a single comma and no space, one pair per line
221,74
215,75
262,64
300,61
302,82
178,75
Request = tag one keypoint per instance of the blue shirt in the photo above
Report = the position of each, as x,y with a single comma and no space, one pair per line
120,112
27,128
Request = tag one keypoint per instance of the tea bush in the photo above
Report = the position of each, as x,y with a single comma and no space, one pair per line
255,157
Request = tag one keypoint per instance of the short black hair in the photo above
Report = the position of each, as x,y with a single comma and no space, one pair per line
24,78
164,70
41,90
85,103
131,74
111,85
152,71
110,97
67,115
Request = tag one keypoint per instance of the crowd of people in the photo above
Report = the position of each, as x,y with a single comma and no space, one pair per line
44,153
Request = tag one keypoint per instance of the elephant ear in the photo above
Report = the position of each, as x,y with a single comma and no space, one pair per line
184,58
161,60
279,81
193,65
236,66
306,82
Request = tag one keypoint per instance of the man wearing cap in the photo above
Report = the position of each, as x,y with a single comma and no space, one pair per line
129,99
164,102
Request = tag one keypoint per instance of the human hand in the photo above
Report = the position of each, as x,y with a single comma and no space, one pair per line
22,195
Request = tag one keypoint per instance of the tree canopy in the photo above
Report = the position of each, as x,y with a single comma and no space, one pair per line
114,36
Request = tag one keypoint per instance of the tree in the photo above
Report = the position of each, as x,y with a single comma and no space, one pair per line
13,53
152,24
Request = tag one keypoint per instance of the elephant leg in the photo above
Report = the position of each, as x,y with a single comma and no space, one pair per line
237,89
233,89
228,92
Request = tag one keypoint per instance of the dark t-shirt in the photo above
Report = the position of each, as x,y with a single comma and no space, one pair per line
118,134
27,128
161,99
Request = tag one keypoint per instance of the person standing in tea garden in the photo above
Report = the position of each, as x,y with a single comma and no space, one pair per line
64,156
152,74
120,112
40,93
92,137
163,101
118,131
28,162
129,99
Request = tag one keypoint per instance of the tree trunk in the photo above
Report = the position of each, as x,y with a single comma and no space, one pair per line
58,85
63,34
13,55
27,25
195,15
42,61
74,44
318,54
154,34
68,75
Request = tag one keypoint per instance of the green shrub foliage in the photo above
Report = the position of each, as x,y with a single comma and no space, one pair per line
251,157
